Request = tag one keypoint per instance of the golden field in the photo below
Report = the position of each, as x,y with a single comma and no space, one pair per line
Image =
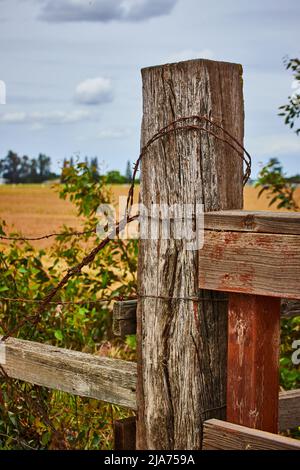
36,210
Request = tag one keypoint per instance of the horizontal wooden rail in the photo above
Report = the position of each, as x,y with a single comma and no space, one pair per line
253,221
238,256
86,375
220,435
289,409
89,375
124,315
290,308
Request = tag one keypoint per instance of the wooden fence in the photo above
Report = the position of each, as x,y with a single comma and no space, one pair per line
194,385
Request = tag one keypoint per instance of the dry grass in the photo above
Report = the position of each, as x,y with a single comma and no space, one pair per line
37,210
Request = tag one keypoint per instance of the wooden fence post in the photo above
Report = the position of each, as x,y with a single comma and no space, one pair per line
253,361
182,345
125,434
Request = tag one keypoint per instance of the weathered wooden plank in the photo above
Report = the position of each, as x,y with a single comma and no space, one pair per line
290,308
124,318
220,435
182,344
86,375
253,361
125,434
289,409
96,377
263,264
254,221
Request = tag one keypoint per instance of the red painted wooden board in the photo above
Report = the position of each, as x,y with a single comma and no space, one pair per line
253,361
251,263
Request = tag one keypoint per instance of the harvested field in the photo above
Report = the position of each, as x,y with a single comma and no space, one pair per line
37,210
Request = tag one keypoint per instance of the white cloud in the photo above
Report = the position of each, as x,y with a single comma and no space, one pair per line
94,91
188,54
38,119
275,145
104,10
113,133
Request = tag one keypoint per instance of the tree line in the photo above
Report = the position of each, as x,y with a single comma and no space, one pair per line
15,169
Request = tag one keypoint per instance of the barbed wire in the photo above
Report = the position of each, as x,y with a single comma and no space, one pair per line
118,298
178,125
50,235
35,318
172,127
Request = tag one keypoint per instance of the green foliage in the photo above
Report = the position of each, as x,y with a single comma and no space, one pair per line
115,177
27,272
289,372
272,180
291,110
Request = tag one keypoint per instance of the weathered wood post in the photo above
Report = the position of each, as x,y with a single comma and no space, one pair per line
253,361
182,344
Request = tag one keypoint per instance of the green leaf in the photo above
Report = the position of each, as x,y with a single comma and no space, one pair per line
3,288
58,335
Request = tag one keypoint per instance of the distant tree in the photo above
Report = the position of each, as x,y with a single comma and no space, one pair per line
11,168
94,168
25,169
43,165
128,173
115,177
295,179
33,171
15,169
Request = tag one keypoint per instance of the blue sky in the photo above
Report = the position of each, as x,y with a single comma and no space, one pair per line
72,70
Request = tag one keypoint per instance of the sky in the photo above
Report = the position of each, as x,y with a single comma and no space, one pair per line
72,71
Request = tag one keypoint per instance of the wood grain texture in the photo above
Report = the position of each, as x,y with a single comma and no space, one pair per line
263,264
289,409
253,361
124,318
290,308
219,435
96,377
125,434
254,221
181,344
86,375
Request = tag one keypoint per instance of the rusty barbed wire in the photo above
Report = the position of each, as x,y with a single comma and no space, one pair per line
170,128
35,318
50,235
118,298
176,126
